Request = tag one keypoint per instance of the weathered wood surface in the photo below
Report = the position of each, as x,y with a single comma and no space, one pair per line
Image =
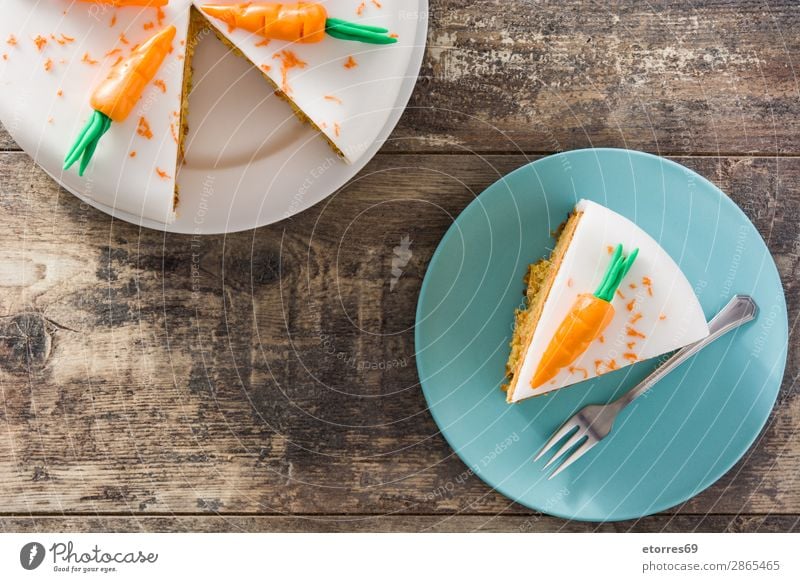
144,372
266,380
410,523
679,77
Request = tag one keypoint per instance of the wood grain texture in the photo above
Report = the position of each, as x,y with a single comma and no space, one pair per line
678,77
410,523
272,371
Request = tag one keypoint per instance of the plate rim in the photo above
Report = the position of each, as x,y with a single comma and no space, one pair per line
712,477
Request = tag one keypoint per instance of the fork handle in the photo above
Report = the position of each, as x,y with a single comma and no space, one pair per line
739,310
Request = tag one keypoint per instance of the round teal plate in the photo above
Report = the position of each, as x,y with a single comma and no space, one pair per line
669,445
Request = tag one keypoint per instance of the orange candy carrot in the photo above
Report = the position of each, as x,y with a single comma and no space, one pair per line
117,95
299,22
153,3
302,22
586,320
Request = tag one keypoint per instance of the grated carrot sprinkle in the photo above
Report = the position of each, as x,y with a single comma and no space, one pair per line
630,305
360,9
635,333
88,60
630,356
635,317
40,42
584,371
161,85
162,174
333,98
144,129
350,63
289,60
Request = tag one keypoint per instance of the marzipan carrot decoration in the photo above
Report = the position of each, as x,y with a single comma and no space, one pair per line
304,22
153,3
116,96
589,316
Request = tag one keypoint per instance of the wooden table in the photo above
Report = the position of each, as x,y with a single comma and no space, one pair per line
266,380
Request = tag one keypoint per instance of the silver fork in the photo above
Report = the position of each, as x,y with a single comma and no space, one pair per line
594,422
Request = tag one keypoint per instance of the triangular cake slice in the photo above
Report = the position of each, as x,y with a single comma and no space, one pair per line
75,45
655,309
345,89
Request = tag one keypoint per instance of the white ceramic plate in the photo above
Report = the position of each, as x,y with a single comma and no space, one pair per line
249,161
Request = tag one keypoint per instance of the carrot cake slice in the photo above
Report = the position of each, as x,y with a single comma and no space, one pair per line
108,96
338,63
608,296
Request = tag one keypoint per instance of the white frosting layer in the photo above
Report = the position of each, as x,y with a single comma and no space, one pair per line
665,311
350,105
30,98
